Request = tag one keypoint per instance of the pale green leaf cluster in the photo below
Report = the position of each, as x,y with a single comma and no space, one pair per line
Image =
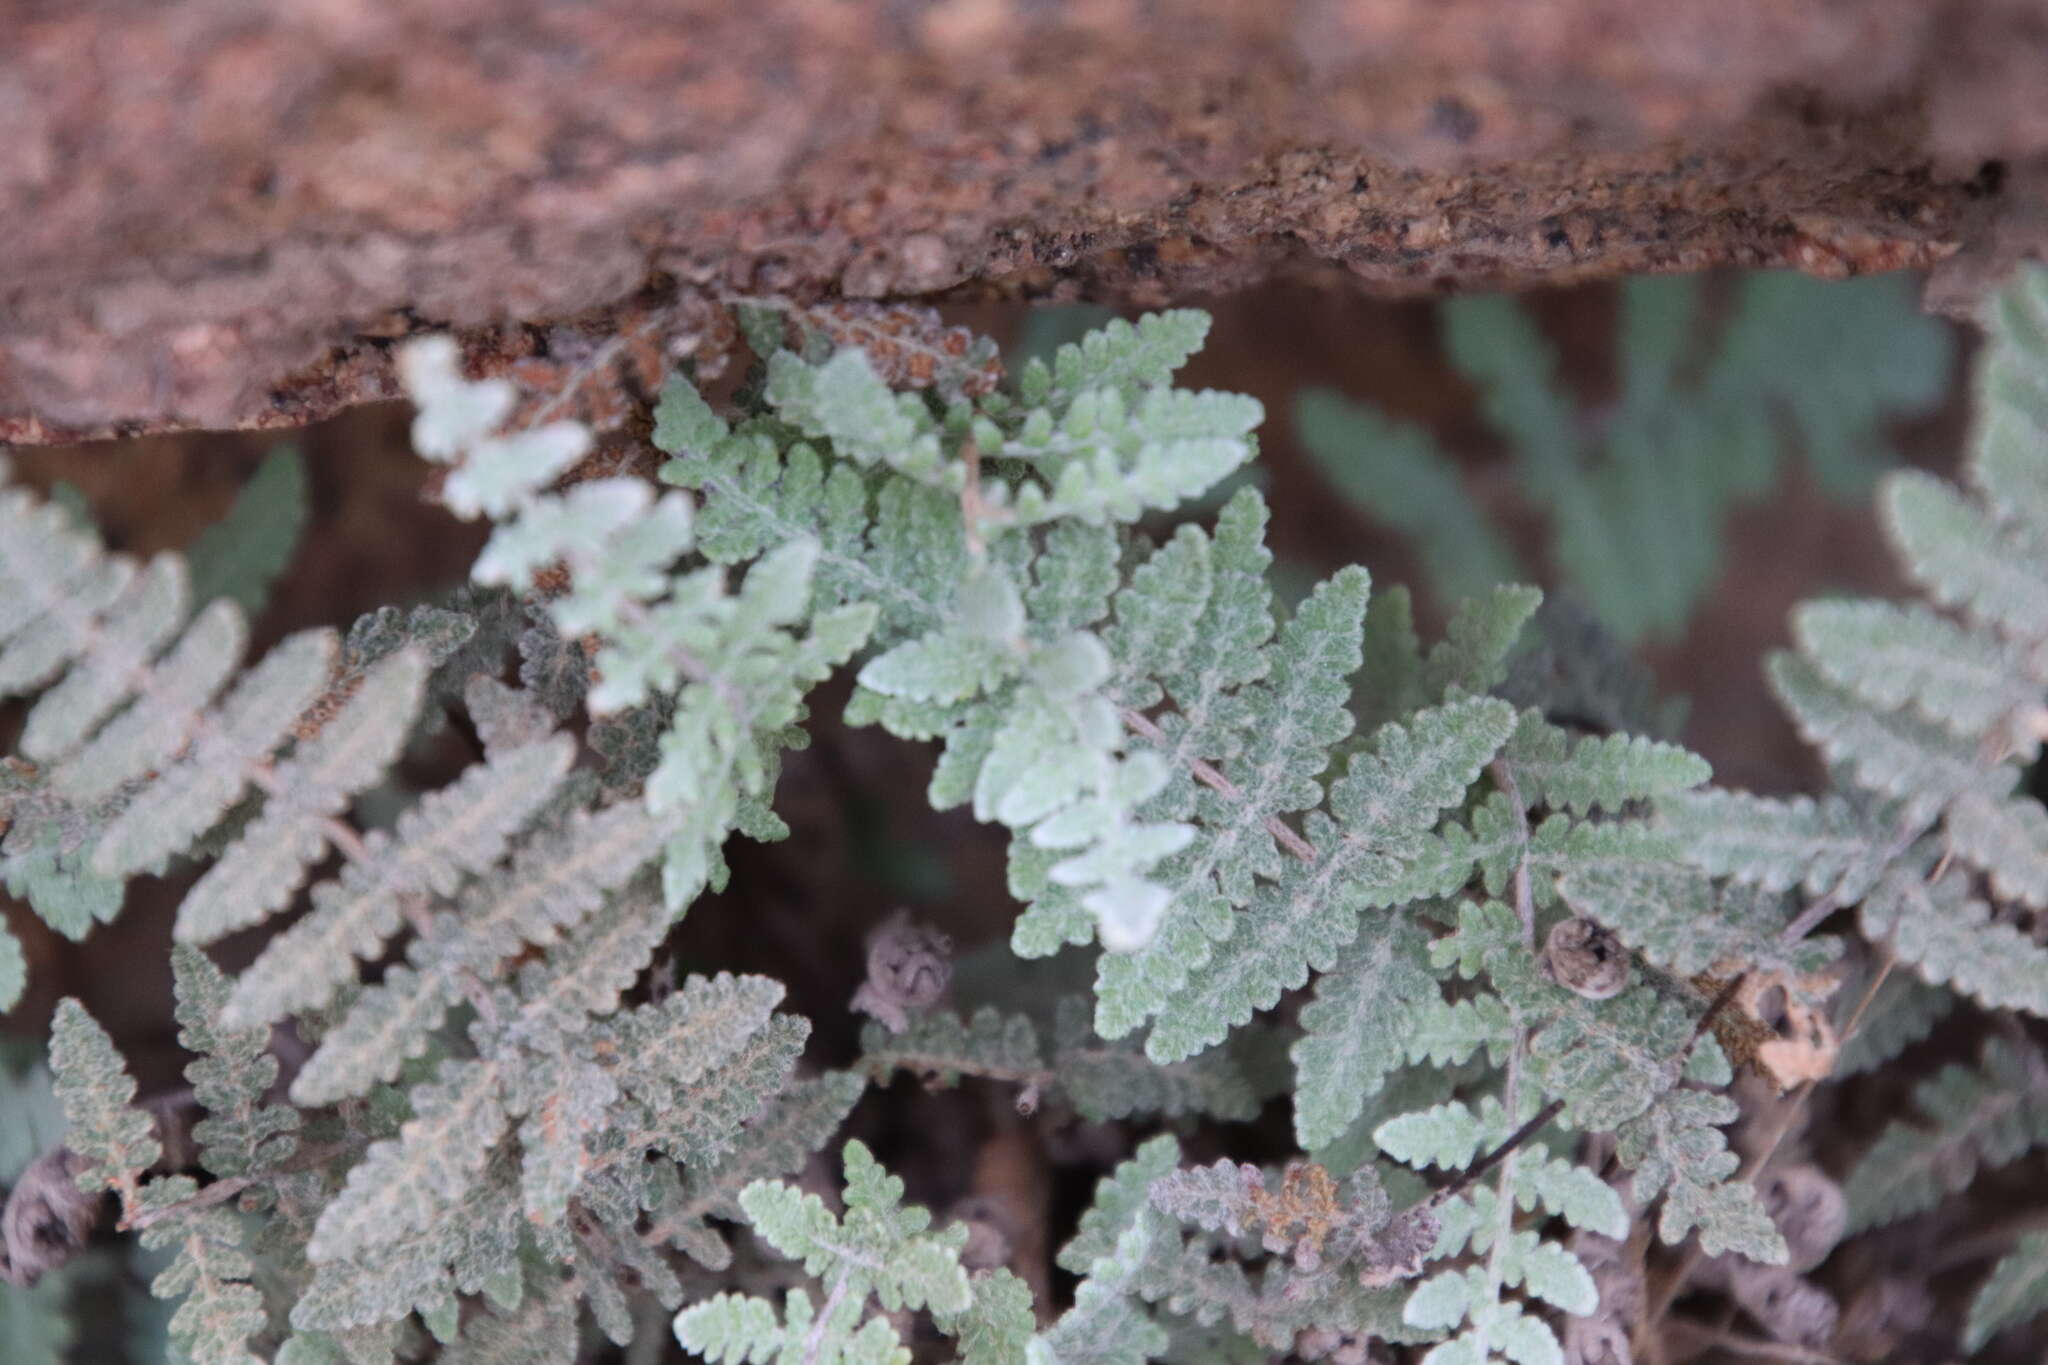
1468,1303
877,1249
1147,1280
734,661
1134,711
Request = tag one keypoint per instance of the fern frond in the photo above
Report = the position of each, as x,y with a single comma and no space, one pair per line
784,1127
2007,839
997,1326
541,1330
1396,473
13,969
1116,1080
1988,1115
1893,657
240,556
1452,1135
1473,655
189,796
941,1046
589,973
1615,1064
556,879
211,1271
233,1069
1966,560
1499,346
117,1140
732,1328
1128,358
1597,772
160,720
459,830
1636,495
667,1048
565,1098
403,1183
1904,1011
845,402
2016,1291
1678,919
722,1103
1133,1257
745,673
105,656
2007,455
1895,754
1380,810
1823,846
1676,1149
876,1248
262,869
1951,938
1357,1028
473,1246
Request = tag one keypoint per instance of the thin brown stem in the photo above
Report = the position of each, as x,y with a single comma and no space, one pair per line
970,497
1869,994
1206,774
1988,1243
1810,918
1464,1178
599,358
345,837
1757,1348
1524,892
1675,1285
1723,998
815,1338
220,1191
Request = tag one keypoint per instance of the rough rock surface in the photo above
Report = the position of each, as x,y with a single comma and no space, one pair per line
218,214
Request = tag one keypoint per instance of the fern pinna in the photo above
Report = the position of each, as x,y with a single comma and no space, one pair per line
1525,948
1929,715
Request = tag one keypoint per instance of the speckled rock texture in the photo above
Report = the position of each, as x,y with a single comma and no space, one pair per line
221,214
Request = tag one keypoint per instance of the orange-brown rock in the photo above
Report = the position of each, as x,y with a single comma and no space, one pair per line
218,214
